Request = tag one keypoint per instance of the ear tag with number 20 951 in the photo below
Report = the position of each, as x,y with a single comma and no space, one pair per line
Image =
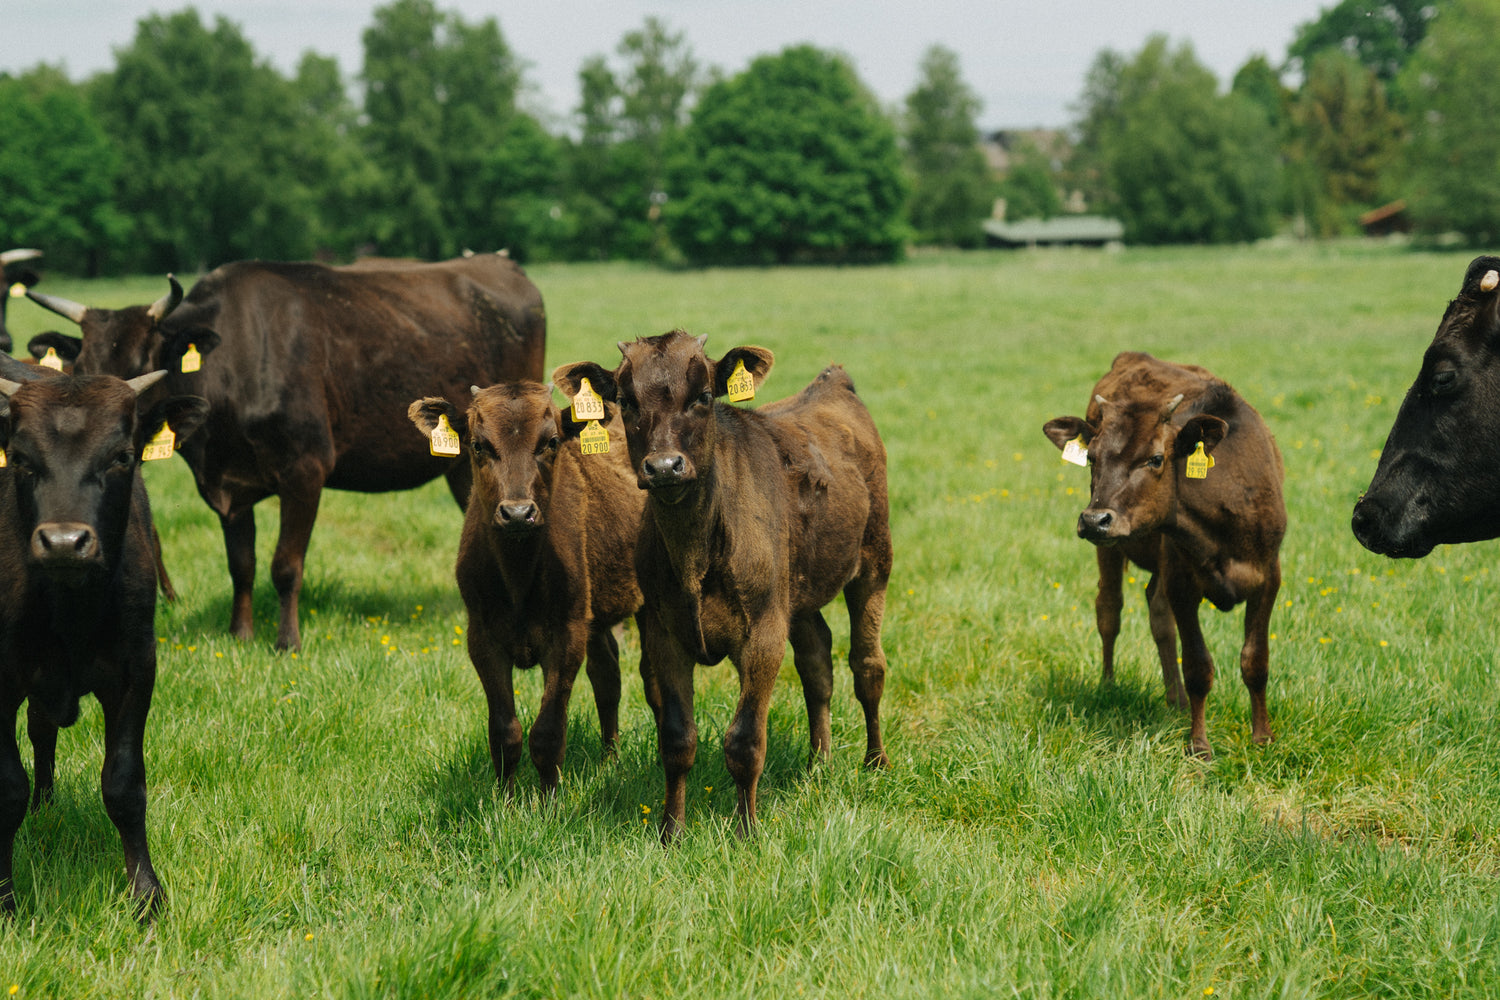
1198,463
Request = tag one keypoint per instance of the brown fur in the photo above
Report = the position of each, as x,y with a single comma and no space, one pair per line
1218,537
545,563
756,519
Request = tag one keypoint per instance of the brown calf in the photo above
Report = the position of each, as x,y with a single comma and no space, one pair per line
545,563
1151,429
755,520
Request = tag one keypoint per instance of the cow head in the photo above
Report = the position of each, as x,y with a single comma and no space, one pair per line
122,342
667,389
1434,483
513,434
1136,452
11,274
73,444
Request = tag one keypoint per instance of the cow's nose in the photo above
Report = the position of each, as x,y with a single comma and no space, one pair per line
1095,524
64,540
667,466
516,515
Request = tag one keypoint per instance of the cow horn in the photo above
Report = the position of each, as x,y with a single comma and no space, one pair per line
163,306
1171,406
66,308
141,383
1490,281
8,388
1100,400
11,256
474,390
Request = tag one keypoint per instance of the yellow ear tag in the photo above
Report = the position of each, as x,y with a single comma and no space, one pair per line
17,290
3,460
593,439
51,360
1075,452
1198,463
161,446
444,439
741,383
587,404
191,360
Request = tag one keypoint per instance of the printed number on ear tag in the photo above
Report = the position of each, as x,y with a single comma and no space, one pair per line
444,439
587,404
1075,452
160,446
593,439
191,360
51,360
1198,463
741,383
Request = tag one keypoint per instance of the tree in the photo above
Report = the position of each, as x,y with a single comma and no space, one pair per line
1381,36
1178,161
57,173
789,161
1454,156
951,186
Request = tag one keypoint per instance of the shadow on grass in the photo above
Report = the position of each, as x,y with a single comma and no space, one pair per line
68,846
1116,711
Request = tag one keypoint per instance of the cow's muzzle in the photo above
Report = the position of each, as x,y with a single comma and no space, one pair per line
65,544
667,475
1100,526
518,515
1395,533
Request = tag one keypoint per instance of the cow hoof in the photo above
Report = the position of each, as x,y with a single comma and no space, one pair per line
1201,752
877,759
1262,739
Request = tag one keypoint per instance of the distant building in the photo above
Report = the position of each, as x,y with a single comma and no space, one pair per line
1387,219
1062,230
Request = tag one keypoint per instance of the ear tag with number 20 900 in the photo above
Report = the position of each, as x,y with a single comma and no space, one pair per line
444,439
1198,463
160,446
593,439
587,404
1075,452
741,383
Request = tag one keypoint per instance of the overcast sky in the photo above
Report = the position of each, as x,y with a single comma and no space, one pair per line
1025,58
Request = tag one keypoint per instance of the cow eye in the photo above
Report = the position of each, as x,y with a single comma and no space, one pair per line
22,465
1444,381
549,446
124,459
706,398
480,447
1154,462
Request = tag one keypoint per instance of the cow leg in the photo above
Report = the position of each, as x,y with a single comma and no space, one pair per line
300,492
865,598
14,790
604,676
162,579
812,649
43,735
671,670
239,546
549,732
1255,655
745,739
494,671
649,684
1107,604
123,780
1197,665
1164,632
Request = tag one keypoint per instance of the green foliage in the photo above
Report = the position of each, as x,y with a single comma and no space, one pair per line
1176,160
57,172
1380,36
1455,151
951,186
328,824
789,161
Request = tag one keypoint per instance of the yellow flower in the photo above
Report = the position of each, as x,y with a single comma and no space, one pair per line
308,936
1384,643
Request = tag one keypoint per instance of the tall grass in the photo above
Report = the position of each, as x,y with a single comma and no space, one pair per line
327,824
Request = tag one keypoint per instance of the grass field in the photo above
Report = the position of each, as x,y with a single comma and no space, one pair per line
327,824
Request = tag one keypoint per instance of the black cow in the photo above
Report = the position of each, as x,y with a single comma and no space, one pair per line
308,371
11,275
1434,484
78,589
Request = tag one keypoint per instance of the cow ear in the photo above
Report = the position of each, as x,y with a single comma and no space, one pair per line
1203,427
424,414
757,361
66,347
1061,430
184,414
175,344
568,378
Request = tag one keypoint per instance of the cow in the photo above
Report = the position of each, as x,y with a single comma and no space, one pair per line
1433,486
546,562
10,276
77,588
1152,432
308,371
754,520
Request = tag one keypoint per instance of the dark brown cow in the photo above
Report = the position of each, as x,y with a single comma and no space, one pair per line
1150,428
77,592
754,521
545,563
12,275
308,371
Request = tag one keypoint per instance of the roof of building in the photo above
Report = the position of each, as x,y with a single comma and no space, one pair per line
1059,229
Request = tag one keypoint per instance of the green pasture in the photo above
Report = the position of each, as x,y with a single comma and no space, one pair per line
327,824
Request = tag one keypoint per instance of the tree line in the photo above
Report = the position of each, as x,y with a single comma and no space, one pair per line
193,150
